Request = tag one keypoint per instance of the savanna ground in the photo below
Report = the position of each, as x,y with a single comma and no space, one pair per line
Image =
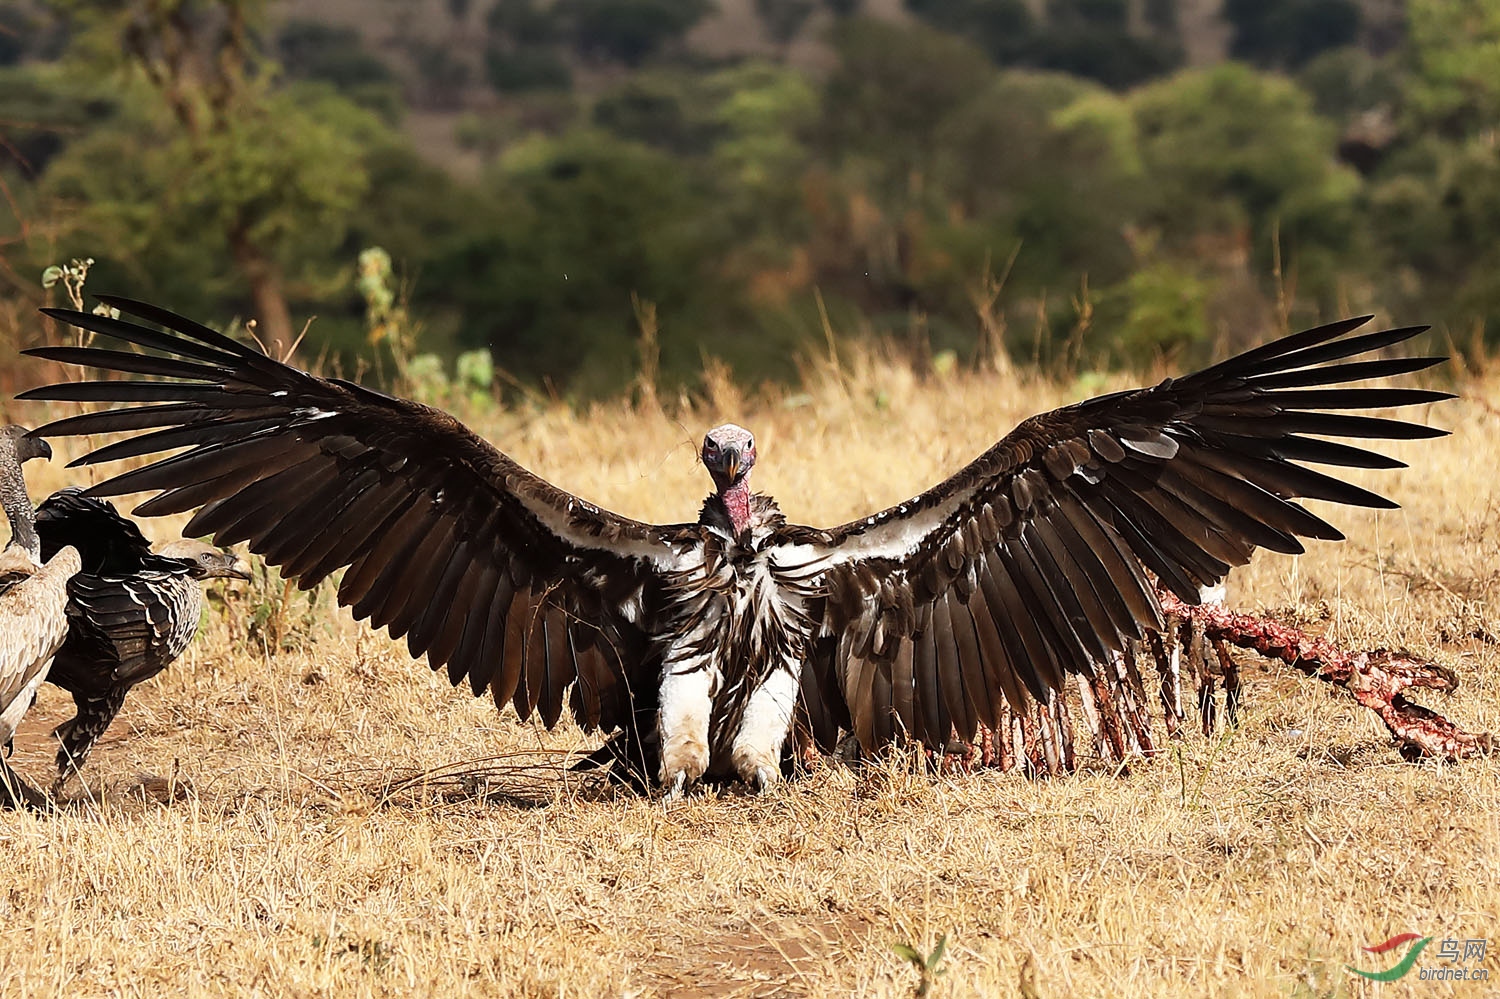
297,809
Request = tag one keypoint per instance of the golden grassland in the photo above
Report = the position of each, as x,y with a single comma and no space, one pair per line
297,809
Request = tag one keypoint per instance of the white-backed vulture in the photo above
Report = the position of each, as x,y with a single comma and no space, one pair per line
33,606
131,611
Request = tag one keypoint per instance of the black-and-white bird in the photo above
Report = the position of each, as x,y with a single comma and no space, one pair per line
131,611
700,642
33,602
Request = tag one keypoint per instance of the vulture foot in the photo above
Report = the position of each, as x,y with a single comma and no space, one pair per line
759,768
683,762
764,779
677,788
16,793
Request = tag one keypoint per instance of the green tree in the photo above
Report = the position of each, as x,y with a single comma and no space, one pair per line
627,31
1093,39
576,226
1231,151
217,149
1455,59
267,195
670,110
1288,33
1045,166
521,49
312,50
894,86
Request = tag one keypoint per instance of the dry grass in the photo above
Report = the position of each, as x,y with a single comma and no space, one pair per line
296,855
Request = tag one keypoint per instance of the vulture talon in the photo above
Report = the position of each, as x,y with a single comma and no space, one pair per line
1029,564
677,788
764,780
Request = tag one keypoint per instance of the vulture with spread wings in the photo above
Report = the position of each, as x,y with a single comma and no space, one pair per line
697,645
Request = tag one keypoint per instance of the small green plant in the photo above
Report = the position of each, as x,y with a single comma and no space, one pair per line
72,276
926,965
385,313
424,376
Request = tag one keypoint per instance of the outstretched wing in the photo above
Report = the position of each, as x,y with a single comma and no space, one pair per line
1033,561
513,583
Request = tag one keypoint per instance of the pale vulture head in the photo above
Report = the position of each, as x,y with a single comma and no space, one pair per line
208,562
728,454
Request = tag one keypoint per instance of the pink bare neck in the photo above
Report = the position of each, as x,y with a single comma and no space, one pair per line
736,499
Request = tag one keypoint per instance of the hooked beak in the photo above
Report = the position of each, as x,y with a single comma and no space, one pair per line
38,447
241,570
731,460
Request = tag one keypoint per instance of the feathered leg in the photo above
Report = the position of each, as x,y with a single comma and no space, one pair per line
77,735
756,754
687,692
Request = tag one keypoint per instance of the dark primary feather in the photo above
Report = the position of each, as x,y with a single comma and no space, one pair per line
489,570
1182,481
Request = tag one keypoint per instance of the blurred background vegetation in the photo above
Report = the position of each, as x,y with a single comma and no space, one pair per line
575,189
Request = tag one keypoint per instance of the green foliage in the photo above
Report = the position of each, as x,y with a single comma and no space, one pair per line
576,225
893,87
1229,150
71,277
518,70
928,966
1165,313
627,31
1288,33
41,106
1349,81
762,113
1087,38
285,174
938,184
1050,162
1455,49
670,111
522,22
311,50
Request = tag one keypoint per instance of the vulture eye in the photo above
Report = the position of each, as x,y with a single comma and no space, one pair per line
710,446
750,444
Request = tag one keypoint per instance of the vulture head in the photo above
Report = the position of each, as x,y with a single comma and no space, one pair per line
208,562
729,454
19,442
